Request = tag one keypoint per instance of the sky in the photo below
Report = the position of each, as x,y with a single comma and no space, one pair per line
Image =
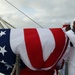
47,13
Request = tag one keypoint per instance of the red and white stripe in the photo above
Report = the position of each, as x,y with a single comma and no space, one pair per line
39,48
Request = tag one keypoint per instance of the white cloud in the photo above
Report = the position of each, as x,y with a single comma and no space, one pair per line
48,13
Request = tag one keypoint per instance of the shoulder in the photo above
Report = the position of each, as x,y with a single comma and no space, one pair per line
69,32
71,36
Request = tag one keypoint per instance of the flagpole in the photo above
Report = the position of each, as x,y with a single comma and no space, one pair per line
66,67
17,64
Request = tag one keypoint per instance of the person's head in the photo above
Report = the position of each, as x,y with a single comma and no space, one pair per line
74,25
68,28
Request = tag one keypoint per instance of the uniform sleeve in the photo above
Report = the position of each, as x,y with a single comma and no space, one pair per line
71,36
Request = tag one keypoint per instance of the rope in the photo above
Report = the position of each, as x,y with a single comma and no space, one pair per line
13,71
7,23
24,14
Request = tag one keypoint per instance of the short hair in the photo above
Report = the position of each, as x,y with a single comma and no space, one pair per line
74,22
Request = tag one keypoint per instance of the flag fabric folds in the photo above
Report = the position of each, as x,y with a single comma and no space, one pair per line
40,49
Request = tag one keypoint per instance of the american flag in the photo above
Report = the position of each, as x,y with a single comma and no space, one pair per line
39,49
7,57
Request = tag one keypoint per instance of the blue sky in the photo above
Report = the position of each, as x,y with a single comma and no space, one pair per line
48,13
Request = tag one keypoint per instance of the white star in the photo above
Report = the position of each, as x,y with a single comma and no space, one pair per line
3,62
1,73
8,66
2,33
2,50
